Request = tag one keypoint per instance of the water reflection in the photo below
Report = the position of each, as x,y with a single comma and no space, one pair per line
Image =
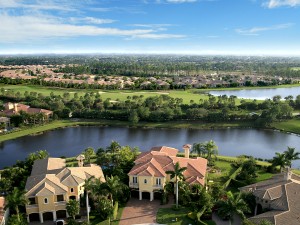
73,140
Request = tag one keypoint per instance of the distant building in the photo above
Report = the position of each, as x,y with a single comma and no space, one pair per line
277,199
11,109
149,172
51,185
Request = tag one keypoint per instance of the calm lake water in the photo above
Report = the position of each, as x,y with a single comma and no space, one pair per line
73,140
260,94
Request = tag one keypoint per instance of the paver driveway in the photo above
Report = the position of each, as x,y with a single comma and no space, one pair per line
140,211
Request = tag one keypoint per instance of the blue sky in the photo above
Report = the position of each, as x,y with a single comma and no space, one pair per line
239,27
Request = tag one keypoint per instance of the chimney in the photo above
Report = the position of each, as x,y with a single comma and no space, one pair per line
186,149
287,173
80,160
16,107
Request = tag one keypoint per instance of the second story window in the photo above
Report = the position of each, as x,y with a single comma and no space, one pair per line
45,200
72,190
158,181
31,201
145,181
134,180
60,198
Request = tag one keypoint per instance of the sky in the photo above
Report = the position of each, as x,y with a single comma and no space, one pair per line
204,27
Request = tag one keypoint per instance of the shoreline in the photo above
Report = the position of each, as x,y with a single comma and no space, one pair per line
58,124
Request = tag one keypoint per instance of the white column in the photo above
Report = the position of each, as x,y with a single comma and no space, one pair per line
54,216
141,195
28,218
151,195
41,218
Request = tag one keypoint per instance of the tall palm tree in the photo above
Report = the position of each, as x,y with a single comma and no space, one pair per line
177,173
88,186
198,148
15,199
211,149
291,155
279,160
234,204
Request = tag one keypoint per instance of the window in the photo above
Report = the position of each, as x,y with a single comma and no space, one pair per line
31,201
45,200
134,180
145,181
60,198
158,181
72,189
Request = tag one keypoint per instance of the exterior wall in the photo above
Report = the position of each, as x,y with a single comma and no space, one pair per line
50,206
145,187
151,183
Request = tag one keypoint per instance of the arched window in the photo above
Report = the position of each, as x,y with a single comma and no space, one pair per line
72,189
145,181
45,200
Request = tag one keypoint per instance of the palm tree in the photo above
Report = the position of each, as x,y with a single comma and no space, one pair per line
198,148
279,160
15,199
234,204
177,173
291,155
88,153
211,149
88,186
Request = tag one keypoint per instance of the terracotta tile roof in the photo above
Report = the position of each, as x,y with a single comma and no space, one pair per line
15,108
161,159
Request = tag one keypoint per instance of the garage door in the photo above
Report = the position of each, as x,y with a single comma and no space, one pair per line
60,214
48,216
34,217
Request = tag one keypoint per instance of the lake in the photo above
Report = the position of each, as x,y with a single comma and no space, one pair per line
260,94
73,140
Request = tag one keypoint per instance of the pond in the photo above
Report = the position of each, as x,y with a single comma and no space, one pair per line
73,140
260,94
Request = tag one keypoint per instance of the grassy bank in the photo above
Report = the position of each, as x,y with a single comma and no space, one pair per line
67,123
292,126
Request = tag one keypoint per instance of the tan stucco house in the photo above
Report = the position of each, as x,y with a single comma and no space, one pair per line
277,199
51,185
149,172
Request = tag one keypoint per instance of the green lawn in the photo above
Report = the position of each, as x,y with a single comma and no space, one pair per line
176,217
292,125
95,221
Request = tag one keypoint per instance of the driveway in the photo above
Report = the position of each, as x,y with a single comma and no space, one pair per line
236,220
140,211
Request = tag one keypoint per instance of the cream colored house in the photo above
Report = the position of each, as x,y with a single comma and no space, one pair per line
149,173
51,185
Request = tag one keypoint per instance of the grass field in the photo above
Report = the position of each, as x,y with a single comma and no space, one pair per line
292,126
187,96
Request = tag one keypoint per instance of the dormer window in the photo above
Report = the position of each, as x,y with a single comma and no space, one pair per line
45,200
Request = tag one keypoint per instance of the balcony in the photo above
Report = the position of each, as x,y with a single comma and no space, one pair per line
32,206
133,185
60,203
158,186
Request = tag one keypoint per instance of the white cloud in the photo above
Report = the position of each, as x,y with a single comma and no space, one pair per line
91,20
24,29
278,3
257,30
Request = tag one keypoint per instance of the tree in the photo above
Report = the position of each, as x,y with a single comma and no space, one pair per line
291,155
279,160
198,148
73,208
14,200
177,173
88,153
88,186
211,149
234,204
133,117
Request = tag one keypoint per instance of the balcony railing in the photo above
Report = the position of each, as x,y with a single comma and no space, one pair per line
31,206
135,185
158,186
60,203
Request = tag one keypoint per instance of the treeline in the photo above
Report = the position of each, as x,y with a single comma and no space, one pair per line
162,65
155,109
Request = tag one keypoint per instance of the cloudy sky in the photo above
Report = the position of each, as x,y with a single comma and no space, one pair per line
245,27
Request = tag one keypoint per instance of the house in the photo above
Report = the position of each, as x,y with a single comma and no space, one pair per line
11,109
51,185
3,213
4,124
149,172
277,199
